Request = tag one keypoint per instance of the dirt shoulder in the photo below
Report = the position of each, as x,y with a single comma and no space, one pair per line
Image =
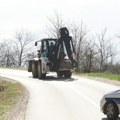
18,111
113,82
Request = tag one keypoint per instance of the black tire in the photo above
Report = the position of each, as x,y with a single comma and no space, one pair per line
40,74
34,69
67,74
59,74
112,111
30,66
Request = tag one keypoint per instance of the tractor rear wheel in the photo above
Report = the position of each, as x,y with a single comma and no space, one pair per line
60,74
67,74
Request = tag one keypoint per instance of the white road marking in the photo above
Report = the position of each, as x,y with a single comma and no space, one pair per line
85,97
82,95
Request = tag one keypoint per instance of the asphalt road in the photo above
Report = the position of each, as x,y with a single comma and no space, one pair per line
61,99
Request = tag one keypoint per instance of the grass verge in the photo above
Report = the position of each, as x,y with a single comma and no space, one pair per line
10,92
102,75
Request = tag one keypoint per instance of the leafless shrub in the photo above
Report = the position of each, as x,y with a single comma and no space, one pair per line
56,23
105,49
23,39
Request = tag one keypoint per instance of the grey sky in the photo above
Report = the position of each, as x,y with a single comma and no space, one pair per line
32,14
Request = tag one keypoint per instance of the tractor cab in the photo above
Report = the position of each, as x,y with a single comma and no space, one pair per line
46,47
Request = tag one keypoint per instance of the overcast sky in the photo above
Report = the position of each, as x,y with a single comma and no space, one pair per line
32,14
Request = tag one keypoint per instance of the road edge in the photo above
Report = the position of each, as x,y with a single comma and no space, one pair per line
105,80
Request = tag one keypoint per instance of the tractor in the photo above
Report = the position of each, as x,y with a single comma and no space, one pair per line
44,61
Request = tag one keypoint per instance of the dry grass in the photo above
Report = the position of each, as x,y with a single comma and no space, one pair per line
10,93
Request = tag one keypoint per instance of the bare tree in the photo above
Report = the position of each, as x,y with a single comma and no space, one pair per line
7,58
22,45
105,49
55,24
88,55
2,51
80,39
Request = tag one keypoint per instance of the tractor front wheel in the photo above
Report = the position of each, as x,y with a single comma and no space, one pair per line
40,74
34,69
